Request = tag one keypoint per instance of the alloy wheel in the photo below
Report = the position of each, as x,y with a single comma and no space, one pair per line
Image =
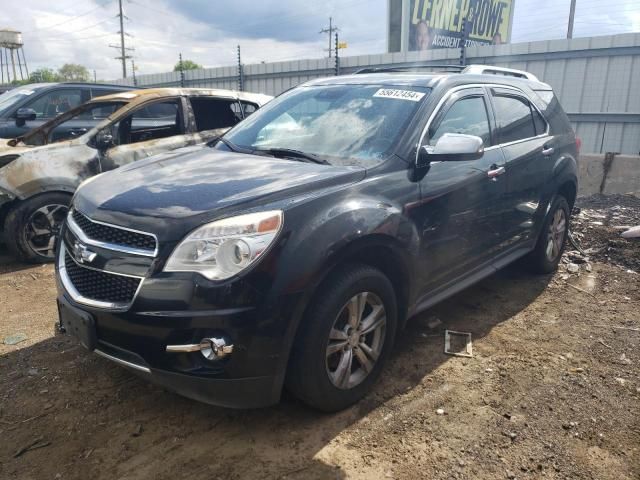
42,228
356,340
556,234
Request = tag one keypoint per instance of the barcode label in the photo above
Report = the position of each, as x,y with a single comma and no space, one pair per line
399,94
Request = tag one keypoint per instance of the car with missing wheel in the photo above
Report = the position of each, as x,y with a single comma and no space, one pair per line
39,171
291,252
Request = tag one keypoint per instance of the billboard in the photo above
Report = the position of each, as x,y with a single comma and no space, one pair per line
430,24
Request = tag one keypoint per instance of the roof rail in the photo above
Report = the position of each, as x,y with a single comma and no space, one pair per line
510,72
408,68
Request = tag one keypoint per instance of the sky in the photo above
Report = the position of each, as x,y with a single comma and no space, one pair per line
207,32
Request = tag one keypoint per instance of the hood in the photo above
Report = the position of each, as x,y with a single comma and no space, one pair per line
6,147
171,194
58,166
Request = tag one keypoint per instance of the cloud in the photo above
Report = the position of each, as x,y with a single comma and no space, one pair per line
207,32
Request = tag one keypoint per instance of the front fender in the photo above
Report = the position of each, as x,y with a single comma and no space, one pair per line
334,233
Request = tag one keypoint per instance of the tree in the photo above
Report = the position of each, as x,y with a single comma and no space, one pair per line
44,75
186,65
72,72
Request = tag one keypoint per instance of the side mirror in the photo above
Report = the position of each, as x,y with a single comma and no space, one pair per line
104,140
452,147
23,115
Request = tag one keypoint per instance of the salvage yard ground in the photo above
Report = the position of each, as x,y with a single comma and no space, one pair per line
552,390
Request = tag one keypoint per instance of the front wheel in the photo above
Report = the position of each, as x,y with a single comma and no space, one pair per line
345,339
31,228
551,241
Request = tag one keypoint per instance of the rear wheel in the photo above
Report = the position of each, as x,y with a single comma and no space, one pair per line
553,236
345,339
31,228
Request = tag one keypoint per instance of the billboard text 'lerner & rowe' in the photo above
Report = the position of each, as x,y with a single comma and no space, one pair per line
438,23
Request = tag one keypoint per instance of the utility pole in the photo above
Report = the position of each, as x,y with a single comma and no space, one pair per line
181,70
572,14
123,49
337,63
467,26
463,42
330,31
240,72
95,77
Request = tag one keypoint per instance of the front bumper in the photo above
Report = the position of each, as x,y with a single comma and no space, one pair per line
183,308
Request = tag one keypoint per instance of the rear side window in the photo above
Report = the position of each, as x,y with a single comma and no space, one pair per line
101,92
249,108
515,121
212,113
467,115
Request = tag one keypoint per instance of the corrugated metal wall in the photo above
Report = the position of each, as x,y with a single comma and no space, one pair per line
597,79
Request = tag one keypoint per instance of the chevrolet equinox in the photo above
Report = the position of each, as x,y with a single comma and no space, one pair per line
292,250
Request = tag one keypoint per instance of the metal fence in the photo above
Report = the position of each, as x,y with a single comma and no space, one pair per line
596,78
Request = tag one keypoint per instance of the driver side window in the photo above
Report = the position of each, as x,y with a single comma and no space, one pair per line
54,103
468,116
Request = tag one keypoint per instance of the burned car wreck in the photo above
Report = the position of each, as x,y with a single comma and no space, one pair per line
40,171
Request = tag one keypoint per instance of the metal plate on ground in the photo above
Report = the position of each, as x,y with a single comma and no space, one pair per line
458,343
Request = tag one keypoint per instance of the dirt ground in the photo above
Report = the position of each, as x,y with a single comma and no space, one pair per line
552,390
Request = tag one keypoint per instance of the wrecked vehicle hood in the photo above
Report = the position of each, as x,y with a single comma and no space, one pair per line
178,192
6,146
60,166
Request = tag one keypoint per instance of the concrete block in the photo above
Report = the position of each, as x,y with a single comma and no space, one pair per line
624,175
590,173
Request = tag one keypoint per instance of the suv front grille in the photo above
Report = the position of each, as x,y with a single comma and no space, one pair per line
100,286
114,235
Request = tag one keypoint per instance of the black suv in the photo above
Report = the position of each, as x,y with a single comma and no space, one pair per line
30,106
292,251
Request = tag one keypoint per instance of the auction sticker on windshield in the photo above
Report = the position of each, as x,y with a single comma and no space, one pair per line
399,94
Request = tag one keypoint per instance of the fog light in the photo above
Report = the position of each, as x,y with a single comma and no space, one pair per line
210,348
214,348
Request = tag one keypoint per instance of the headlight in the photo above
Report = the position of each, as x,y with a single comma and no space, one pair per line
223,248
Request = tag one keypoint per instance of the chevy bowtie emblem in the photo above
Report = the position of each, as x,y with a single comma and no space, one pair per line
82,254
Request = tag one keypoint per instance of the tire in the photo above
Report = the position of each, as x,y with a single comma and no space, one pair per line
42,213
544,258
314,375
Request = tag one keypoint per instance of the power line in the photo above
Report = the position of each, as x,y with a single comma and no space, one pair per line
64,34
65,21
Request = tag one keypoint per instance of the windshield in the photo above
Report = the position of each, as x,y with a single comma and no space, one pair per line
343,124
73,124
12,97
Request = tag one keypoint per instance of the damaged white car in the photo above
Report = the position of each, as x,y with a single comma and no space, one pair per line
40,171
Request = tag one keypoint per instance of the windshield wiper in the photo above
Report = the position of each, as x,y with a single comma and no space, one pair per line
226,143
288,152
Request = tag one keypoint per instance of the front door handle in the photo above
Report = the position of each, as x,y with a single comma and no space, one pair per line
496,172
546,151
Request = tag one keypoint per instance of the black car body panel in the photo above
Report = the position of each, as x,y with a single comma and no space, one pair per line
432,229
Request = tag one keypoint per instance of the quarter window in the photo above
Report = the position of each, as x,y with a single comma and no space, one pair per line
468,116
515,121
541,125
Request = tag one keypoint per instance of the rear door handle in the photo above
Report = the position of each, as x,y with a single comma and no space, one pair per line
496,172
546,151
